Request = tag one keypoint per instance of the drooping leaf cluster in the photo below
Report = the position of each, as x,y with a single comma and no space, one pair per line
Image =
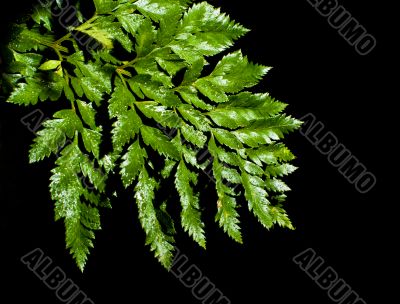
164,87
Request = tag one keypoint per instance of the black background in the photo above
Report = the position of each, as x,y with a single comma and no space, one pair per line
315,71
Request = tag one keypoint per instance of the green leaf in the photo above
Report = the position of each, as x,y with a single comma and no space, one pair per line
171,63
227,138
280,217
26,93
207,29
133,162
50,65
106,56
105,6
193,136
52,88
78,13
108,162
227,215
190,214
120,100
165,219
243,109
252,168
69,94
159,142
91,90
257,200
266,131
224,156
72,122
25,63
230,175
194,117
159,9
280,170
91,140
167,29
130,22
24,39
113,31
35,88
169,166
53,137
43,15
125,128
134,84
271,154
159,93
94,73
276,185
189,154
234,73
95,176
190,96
148,68
187,52
80,219
79,238
49,140
211,90
145,37
159,242
194,71
88,113
65,186
76,85
161,114
90,217
92,80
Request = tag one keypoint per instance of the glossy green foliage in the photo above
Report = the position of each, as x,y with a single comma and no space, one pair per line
164,110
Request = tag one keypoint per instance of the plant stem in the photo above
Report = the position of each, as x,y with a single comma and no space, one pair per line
132,62
62,39
122,77
87,24
58,54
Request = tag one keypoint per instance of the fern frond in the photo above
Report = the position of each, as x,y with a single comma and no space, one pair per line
159,117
